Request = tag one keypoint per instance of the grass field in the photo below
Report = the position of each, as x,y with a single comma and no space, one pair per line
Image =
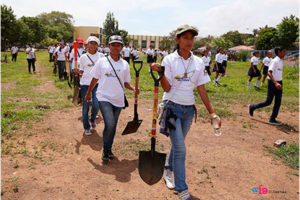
18,103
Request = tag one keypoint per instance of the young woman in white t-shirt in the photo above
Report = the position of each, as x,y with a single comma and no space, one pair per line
87,63
265,66
110,91
253,70
31,58
183,71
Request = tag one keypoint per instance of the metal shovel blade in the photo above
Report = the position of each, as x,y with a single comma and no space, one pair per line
151,166
132,127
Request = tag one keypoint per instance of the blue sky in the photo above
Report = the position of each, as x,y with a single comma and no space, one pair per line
160,17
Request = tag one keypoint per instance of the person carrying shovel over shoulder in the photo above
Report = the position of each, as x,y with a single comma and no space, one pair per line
87,63
113,74
183,71
79,53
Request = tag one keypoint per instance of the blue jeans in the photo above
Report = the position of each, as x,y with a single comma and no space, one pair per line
176,159
272,91
86,107
110,115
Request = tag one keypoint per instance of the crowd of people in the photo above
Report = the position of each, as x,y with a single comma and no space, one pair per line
104,73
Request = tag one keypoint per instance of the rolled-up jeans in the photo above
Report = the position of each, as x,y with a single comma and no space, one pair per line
110,115
86,107
176,159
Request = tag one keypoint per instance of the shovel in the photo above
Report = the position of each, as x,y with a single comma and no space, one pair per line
76,78
151,163
133,126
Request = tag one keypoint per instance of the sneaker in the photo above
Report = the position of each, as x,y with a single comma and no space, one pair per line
94,125
87,132
184,195
256,86
105,156
218,82
110,154
250,110
214,83
274,122
168,178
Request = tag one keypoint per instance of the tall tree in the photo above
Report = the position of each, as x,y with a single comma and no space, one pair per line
266,38
288,31
8,26
110,26
36,28
59,25
233,37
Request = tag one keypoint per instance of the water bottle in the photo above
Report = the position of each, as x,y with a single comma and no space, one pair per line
215,123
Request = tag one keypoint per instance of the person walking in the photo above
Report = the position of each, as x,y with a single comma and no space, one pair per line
31,58
60,58
113,74
87,63
14,53
183,72
274,86
253,70
265,66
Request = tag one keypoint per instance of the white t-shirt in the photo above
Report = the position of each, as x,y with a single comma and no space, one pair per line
86,65
109,88
79,54
219,58
165,53
183,87
225,57
106,50
209,54
267,61
60,53
126,51
254,60
206,60
276,66
14,50
51,49
30,55
134,52
150,52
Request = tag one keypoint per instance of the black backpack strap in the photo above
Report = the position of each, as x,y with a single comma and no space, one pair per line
115,73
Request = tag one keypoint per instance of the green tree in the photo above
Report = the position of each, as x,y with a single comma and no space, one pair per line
124,35
36,29
233,37
266,38
59,25
221,42
8,26
202,42
110,26
288,31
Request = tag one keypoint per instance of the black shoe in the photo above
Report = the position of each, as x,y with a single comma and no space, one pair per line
274,122
105,156
218,82
110,154
251,110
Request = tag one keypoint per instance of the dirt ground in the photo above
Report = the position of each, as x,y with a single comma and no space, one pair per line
67,164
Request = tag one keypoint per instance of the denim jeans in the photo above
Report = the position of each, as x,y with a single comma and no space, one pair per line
86,107
272,91
110,115
176,159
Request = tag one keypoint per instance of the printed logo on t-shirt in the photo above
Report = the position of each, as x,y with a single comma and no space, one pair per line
112,73
182,78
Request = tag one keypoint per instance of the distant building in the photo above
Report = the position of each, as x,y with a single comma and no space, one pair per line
140,41
85,31
144,41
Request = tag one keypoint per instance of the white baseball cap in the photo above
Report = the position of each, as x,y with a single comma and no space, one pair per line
93,38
